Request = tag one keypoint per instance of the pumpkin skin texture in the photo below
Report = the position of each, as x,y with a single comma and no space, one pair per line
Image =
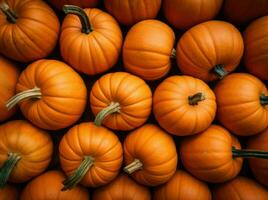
208,155
184,14
153,154
239,107
130,12
182,186
81,3
207,46
132,94
148,48
178,114
9,75
48,186
34,33
122,188
9,192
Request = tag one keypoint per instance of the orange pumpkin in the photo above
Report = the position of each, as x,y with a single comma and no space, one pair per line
90,40
9,192
242,102
129,12
33,29
150,155
48,186
81,3
148,48
25,151
51,94
184,105
184,14
121,101
91,155
210,50
9,75
182,186
122,188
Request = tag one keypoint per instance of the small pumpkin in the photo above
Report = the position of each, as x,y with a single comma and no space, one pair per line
122,188
148,48
81,3
9,192
121,101
242,104
25,151
91,155
210,50
184,105
33,29
150,155
90,40
50,94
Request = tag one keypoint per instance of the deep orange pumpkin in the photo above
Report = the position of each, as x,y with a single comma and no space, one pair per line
9,192
81,3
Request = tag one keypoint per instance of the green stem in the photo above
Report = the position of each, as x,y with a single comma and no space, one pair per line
112,108
134,166
11,15
193,100
248,153
173,53
264,100
220,71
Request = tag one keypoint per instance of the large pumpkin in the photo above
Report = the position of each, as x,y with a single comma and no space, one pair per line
129,12
121,101
9,192
81,3
150,155
91,155
210,50
242,102
25,151
33,29
184,105
91,41
148,48
51,94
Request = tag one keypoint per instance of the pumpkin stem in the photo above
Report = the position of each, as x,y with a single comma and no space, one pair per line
264,99
11,15
220,71
134,166
79,173
112,108
71,9
173,54
248,153
7,168
193,100
34,93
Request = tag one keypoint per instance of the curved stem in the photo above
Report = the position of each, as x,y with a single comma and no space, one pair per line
11,15
193,100
112,108
220,71
79,173
248,153
134,166
173,54
264,100
70,9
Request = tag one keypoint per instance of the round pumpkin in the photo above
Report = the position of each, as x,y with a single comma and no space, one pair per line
184,14
81,3
210,50
90,40
25,151
51,94
9,75
122,188
9,192
150,155
33,29
48,186
91,155
121,101
148,49
242,104
129,12
182,186
184,105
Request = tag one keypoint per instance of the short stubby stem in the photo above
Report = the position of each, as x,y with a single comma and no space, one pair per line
196,98
220,71
173,54
248,153
11,15
264,100
134,166
112,108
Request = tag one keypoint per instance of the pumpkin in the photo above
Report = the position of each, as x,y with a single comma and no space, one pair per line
148,49
9,192
25,151
122,188
48,186
184,14
9,75
91,155
256,46
242,101
129,12
120,101
184,105
210,50
90,40
51,94
182,186
150,155
81,3
33,29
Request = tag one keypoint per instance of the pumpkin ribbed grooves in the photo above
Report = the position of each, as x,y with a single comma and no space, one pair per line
11,15
193,100
134,166
264,100
112,108
248,153
220,71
